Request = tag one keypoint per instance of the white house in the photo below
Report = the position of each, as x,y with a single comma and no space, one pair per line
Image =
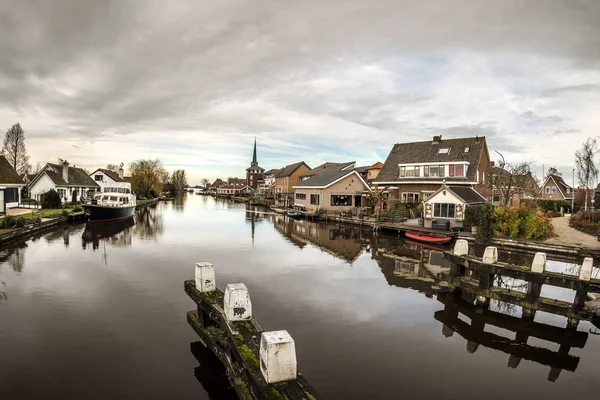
103,177
71,183
234,190
447,206
10,186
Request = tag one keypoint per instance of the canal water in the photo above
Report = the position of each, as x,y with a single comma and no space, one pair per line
101,313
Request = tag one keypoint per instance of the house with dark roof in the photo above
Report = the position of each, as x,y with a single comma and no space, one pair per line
71,183
445,208
335,188
413,171
373,171
508,189
104,177
555,188
11,185
285,180
317,170
267,186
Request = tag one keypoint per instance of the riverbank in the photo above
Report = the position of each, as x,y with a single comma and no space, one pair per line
26,232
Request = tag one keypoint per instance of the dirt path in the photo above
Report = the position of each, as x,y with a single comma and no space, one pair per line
571,237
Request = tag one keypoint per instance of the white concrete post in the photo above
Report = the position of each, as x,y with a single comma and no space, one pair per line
586,269
205,277
490,255
461,247
539,263
237,304
278,356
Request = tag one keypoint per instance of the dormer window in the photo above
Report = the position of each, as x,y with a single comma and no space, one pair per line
444,151
467,149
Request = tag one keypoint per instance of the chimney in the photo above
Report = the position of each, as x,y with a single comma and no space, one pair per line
493,163
476,138
437,139
65,170
121,172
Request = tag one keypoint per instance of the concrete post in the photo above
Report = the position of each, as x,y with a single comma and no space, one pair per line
236,303
278,357
490,255
461,247
586,269
539,263
205,277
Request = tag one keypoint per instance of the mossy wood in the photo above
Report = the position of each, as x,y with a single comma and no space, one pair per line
236,345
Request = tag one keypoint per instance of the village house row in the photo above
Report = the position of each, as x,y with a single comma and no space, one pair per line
444,175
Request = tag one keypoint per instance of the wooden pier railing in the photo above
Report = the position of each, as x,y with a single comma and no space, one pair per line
260,364
477,275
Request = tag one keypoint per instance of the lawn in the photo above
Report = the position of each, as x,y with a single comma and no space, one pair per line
45,213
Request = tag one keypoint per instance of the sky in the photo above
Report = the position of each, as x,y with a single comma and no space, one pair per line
194,82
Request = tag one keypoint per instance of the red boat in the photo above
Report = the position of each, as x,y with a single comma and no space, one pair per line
425,237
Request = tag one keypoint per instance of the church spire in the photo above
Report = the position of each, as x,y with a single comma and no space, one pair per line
254,162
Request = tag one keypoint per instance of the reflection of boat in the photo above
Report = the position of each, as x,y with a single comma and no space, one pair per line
94,232
437,248
278,210
115,203
425,237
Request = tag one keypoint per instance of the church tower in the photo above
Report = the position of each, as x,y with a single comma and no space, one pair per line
254,174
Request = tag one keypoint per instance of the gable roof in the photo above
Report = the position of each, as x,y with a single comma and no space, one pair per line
331,175
362,170
319,169
272,171
560,183
77,176
466,194
520,181
7,173
377,165
428,152
111,174
289,169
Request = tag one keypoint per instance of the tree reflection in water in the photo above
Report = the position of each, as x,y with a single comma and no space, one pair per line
179,202
149,221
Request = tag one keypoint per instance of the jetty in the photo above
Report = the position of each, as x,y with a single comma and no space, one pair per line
260,364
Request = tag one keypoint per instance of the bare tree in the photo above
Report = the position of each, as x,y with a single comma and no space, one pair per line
112,167
509,179
553,171
179,179
14,149
586,169
205,182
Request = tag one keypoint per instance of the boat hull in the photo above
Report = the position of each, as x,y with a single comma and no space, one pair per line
422,237
95,213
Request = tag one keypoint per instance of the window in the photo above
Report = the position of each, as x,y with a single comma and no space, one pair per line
444,151
402,171
314,199
300,196
553,189
410,197
456,170
467,149
437,171
496,198
341,200
98,178
426,171
547,189
444,210
412,171
62,193
11,195
426,195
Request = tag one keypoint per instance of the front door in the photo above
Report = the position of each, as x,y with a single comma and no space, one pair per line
358,201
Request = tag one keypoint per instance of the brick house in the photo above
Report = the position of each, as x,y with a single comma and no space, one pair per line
509,189
555,188
373,171
285,180
413,171
336,188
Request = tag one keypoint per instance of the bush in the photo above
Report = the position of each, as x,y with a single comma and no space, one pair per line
481,216
554,214
586,221
51,199
77,209
522,222
71,204
554,205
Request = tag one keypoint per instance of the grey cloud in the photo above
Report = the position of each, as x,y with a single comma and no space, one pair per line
571,89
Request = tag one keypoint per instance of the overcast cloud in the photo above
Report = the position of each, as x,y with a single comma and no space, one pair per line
193,83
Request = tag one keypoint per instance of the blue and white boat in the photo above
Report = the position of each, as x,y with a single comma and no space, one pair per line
116,203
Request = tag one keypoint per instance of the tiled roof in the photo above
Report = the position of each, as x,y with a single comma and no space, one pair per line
522,181
377,165
328,175
111,174
77,176
272,171
7,173
319,169
289,169
428,152
362,170
467,194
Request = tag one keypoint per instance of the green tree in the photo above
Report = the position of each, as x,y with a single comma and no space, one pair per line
179,180
147,177
14,149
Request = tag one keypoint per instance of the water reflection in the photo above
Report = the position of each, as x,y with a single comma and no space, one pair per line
14,257
149,221
115,233
523,328
179,202
211,374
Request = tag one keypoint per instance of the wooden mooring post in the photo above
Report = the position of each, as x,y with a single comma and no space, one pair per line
477,275
260,364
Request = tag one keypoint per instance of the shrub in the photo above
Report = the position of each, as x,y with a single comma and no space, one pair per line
65,213
586,221
554,214
50,199
482,216
71,204
522,222
554,205
77,209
